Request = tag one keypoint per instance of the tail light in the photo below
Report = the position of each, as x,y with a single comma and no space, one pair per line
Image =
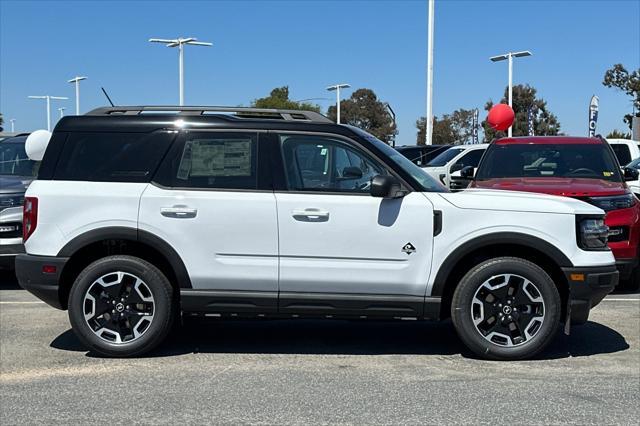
29,217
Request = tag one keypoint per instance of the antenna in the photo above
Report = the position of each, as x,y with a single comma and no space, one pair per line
108,98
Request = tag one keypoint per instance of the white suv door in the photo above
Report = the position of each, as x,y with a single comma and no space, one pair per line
206,202
336,240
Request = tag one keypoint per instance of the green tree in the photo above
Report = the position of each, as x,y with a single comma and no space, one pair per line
452,129
1,121
617,134
524,97
619,78
279,99
364,110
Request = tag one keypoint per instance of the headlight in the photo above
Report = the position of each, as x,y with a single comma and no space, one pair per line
592,233
11,200
613,203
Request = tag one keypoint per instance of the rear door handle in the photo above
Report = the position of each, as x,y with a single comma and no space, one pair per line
179,212
310,215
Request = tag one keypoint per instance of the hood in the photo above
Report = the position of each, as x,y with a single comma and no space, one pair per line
567,187
14,184
487,199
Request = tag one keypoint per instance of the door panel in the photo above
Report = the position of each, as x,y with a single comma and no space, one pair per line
335,237
207,205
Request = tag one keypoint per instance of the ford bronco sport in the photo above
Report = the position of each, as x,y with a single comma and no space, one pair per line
140,214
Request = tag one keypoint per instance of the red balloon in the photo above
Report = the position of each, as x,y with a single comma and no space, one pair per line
501,117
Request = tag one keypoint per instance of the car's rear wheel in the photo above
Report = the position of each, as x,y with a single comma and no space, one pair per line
121,306
506,308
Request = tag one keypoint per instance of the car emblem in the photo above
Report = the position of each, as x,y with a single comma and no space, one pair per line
408,248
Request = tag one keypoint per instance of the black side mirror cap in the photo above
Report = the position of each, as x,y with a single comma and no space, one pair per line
384,186
456,167
467,172
629,173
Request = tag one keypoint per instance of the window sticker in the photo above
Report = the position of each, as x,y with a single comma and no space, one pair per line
219,157
607,174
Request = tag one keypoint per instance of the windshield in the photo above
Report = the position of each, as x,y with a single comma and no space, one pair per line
426,182
14,160
444,157
590,161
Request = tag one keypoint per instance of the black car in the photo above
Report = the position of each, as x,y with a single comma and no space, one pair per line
420,155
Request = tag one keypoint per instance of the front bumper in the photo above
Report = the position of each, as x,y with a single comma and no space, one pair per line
587,288
44,285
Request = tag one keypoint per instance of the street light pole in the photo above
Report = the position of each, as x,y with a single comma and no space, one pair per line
509,56
13,122
179,43
337,88
77,81
429,118
61,110
48,99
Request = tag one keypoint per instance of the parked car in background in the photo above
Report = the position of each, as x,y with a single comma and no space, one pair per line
582,168
138,215
420,155
626,150
16,173
454,159
635,186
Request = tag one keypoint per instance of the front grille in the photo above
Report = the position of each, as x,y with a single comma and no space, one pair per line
618,233
10,230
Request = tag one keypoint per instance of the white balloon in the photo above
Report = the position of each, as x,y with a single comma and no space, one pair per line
36,144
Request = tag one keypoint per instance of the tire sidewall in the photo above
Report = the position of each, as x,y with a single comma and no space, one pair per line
157,284
465,292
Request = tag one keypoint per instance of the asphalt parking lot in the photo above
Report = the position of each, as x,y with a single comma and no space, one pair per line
315,372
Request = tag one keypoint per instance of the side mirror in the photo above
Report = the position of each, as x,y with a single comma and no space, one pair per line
351,172
456,167
384,186
467,172
629,173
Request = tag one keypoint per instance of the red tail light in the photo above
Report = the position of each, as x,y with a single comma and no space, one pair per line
29,217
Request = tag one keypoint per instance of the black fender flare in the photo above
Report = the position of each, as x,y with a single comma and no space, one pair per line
130,234
512,238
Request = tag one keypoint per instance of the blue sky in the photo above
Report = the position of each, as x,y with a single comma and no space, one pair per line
307,45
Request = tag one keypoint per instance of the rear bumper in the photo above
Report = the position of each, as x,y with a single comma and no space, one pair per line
45,286
8,253
587,288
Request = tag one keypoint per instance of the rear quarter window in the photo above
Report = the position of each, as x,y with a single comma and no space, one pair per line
112,157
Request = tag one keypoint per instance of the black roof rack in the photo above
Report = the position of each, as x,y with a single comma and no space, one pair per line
238,112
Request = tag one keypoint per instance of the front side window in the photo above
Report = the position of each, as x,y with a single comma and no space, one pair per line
590,161
212,161
317,163
472,158
443,158
622,152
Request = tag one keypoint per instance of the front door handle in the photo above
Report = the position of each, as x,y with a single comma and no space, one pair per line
310,215
179,212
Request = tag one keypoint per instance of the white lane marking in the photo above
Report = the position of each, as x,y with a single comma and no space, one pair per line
610,299
20,303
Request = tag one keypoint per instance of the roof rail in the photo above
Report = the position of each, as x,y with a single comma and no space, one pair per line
239,112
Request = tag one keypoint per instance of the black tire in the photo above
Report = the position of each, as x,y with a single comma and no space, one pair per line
163,306
474,338
632,283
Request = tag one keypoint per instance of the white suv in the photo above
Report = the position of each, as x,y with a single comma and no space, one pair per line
448,163
141,213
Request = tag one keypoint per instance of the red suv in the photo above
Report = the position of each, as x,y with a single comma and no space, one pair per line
583,168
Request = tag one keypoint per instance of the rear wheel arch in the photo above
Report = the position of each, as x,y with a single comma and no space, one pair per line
99,243
512,244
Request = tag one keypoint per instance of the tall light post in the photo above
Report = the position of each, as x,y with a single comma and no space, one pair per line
179,43
61,111
48,99
509,56
13,122
429,118
76,80
337,88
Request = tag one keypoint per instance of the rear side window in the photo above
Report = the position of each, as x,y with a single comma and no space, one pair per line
112,157
212,160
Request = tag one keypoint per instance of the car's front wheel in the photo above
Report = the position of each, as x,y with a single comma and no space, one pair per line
121,306
506,308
